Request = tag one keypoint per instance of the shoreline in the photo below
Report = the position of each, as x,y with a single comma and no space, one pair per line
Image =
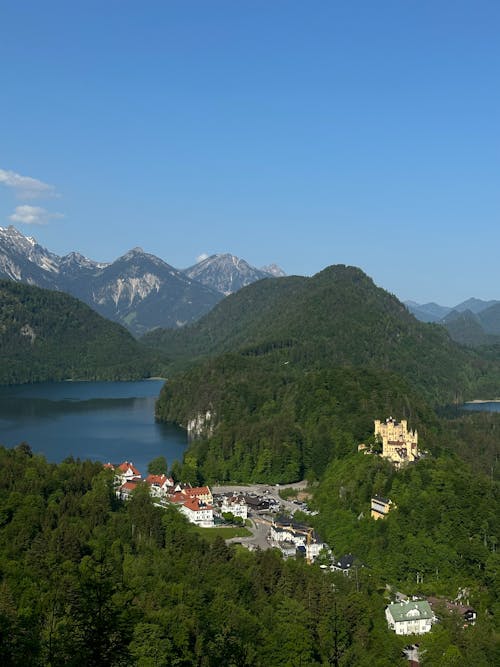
478,401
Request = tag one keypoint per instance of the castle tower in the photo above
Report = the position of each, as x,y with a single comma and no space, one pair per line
399,445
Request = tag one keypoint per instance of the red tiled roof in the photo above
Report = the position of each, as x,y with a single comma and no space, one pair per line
110,466
156,479
196,491
128,486
126,465
195,505
177,498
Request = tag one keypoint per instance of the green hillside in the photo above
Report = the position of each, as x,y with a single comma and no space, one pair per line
293,371
46,335
89,580
337,317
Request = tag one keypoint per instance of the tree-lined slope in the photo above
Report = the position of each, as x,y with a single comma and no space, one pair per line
47,335
337,317
291,374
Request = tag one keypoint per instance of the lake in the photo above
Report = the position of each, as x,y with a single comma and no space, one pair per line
103,421
484,406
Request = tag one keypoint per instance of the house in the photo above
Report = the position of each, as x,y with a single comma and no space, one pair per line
159,485
202,493
467,613
344,564
380,507
126,472
413,617
236,505
124,491
198,512
302,537
399,444
256,504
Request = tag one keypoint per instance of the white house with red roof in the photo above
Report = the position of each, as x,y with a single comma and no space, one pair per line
159,485
198,512
124,491
126,472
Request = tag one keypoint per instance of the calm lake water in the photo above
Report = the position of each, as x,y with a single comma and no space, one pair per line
492,406
103,421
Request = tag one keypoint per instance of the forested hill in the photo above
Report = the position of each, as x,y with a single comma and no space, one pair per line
337,317
47,335
292,373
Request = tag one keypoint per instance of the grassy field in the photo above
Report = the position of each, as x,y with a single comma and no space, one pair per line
226,532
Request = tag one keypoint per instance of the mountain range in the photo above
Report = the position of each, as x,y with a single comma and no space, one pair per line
473,322
138,290
433,312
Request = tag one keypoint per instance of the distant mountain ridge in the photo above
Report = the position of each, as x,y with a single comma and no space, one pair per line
433,312
473,322
138,290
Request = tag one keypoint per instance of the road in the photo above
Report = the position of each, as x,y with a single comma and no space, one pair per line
260,526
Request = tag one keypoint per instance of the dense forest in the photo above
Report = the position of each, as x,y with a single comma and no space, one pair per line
293,372
47,335
280,382
88,580
339,317
283,380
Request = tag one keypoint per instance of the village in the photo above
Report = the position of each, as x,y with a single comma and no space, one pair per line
269,518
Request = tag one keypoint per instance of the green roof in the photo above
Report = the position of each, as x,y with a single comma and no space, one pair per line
413,610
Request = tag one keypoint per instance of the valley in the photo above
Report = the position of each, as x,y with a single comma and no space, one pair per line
279,384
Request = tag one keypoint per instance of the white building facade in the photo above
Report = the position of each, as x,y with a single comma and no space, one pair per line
413,617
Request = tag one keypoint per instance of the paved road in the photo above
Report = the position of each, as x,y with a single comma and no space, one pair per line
259,529
260,526
264,490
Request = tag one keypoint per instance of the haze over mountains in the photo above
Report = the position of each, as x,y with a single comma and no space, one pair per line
139,290
473,322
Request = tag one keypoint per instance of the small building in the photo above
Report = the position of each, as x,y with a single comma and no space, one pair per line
380,507
127,472
302,537
202,493
413,617
467,613
235,505
159,485
256,504
344,564
198,512
124,491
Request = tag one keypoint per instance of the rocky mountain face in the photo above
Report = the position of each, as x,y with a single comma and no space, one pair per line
273,270
138,290
227,273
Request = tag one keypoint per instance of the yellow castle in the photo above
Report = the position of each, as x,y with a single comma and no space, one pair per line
399,445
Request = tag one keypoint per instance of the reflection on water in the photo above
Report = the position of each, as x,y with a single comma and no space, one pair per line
106,421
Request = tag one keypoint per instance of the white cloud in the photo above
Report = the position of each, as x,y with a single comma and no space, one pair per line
201,257
33,215
26,187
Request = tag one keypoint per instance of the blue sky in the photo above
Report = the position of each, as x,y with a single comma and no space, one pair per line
301,133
